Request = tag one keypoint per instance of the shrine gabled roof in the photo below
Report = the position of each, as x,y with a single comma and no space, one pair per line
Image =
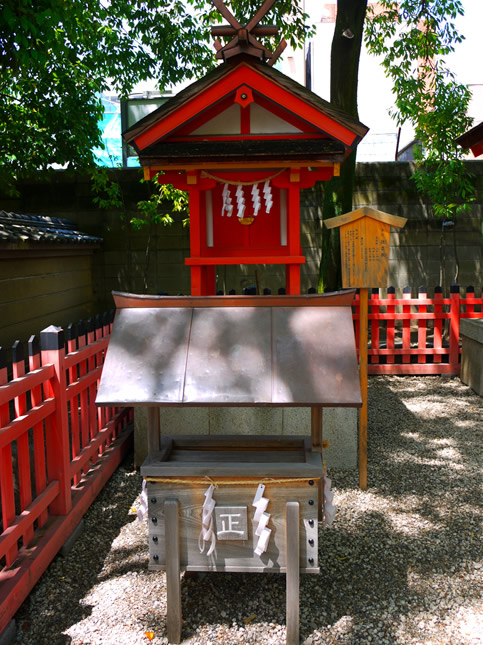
319,129
473,139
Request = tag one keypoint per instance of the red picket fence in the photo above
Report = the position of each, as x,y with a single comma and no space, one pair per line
57,450
417,335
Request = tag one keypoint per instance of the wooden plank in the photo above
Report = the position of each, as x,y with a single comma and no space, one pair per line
365,211
229,553
207,469
30,287
173,583
365,253
414,369
336,299
153,429
237,457
292,539
236,441
363,379
26,266
247,259
44,305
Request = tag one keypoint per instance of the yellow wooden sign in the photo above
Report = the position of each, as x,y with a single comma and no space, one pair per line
364,248
364,241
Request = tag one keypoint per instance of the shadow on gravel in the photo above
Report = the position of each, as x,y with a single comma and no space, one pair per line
394,566
417,524
56,601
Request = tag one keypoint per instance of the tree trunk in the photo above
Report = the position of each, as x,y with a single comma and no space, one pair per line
344,72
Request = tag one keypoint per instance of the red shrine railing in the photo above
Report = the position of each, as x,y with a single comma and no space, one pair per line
57,450
417,335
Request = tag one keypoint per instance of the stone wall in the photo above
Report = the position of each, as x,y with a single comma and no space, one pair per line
121,262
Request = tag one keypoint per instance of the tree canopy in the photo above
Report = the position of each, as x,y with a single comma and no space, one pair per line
58,56
413,38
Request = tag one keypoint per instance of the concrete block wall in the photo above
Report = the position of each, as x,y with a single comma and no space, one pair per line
340,427
121,262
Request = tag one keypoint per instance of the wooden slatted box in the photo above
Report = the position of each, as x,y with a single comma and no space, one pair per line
184,469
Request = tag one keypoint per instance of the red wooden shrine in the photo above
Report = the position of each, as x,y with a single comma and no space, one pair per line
244,141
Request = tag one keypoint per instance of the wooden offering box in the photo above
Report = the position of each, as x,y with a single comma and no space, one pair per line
231,502
186,466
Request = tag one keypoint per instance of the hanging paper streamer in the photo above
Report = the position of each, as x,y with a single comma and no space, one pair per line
207,533
142,511
227,205
256,199
261,518
267,195
240,202
329,509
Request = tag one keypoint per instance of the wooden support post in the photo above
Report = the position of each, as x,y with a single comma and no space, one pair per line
363,300
317,413
454,329
292,541
154,430
173,584
317,429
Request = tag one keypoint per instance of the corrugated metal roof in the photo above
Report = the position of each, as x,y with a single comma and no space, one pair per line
16,228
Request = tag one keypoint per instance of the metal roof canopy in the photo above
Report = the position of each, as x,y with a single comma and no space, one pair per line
262,351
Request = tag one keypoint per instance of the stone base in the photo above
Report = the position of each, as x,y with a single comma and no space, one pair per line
339,427
472,353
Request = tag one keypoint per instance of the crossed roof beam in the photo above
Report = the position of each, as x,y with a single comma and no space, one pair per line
244,40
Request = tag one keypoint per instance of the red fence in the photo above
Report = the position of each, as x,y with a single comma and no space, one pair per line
57,450
417,335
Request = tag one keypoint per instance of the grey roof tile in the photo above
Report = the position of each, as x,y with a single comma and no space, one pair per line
42,229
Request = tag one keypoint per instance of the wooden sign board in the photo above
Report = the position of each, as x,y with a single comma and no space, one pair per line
364,241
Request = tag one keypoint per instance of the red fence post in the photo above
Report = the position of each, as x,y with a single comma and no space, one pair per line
84,403
7,496
375,358
91,364
470,296
406,326
23,453
454,329
438,323
57,435
390,327
38,431
71,335
422,326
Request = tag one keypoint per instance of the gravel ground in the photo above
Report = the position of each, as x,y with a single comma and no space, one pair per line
401,564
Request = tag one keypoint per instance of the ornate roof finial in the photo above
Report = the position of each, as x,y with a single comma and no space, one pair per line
244,41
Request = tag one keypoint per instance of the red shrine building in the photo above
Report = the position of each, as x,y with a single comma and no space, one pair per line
244,140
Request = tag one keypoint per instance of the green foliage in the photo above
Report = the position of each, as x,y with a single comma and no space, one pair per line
413,36
57,57
162,203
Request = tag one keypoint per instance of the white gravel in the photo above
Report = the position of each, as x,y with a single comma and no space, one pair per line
402,563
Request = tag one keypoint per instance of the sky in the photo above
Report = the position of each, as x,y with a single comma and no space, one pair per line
375,94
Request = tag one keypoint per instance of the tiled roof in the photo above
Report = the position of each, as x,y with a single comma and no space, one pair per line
42,229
